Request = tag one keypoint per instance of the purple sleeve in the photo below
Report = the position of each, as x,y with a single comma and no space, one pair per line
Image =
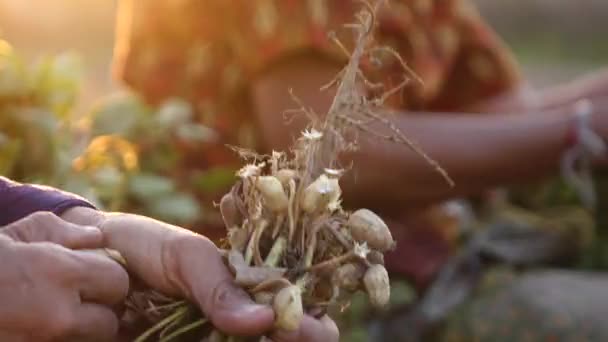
19,200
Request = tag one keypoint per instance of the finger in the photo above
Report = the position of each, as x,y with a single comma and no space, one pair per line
94,323
101,279
227,305
311,329
47,227
12,336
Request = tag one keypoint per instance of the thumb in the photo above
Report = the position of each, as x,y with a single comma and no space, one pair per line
311,329
212,286
47,227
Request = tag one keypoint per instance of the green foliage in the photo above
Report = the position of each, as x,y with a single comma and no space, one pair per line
121,156
34,106
120,114
214,179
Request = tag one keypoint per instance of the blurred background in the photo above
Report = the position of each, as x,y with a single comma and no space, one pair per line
45,28
68,45
553,39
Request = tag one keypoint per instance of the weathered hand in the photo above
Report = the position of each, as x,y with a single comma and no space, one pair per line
311,329
49,292
178,262
47,227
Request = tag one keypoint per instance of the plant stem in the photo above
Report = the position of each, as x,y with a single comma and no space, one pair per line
277,225
336,233
311,245
276,252
332,263
270,283
261,225
256,246
290,209
178,314
170,305
184,329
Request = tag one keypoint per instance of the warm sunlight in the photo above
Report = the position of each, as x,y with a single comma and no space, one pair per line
303,170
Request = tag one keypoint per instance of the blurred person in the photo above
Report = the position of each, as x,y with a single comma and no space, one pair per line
52,287
235,62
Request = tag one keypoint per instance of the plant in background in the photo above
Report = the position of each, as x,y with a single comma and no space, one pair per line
35,103
137,172
119,156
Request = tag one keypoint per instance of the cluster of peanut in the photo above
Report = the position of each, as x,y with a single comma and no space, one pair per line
292,246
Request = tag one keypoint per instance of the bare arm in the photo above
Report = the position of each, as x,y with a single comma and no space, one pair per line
593,87
478,151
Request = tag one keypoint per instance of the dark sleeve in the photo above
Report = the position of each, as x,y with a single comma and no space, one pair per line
19,200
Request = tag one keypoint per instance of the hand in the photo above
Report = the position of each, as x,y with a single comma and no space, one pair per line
47,227
311,329
49,292
195,265
178,262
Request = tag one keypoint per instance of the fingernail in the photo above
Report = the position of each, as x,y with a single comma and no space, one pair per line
91,229
249,310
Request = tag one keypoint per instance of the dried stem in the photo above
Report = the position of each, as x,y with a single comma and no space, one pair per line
399,137
178,314
310,113
290,210
251,245
158,308
278,223
276,252
333,263
311,244
334,38
333,81
270,284
398,57
184,329
303,224
340,237
256,245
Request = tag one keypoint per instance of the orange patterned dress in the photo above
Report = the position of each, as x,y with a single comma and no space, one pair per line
208,52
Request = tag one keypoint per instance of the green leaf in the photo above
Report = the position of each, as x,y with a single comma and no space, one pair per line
3,139
108,178
196,133
9,153
37,129
13,76
402,293
118,114
146,185
215,179
57,82
359,305
76,183
174,112
67,68
80,185
38,118
178,208
163,158
355,334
